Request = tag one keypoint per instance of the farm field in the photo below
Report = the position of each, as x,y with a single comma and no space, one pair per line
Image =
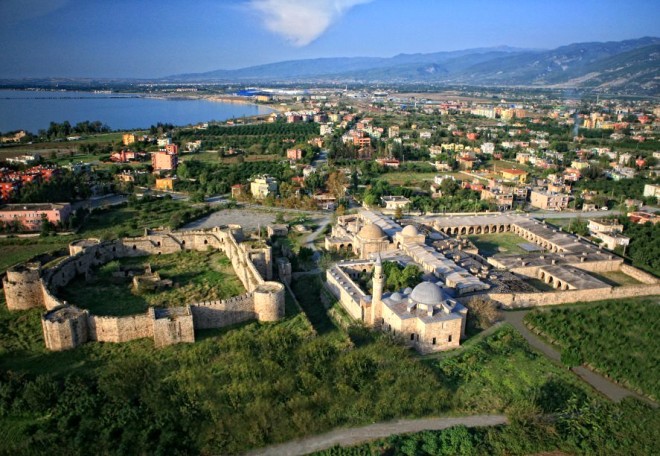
407,178
197,276
618,338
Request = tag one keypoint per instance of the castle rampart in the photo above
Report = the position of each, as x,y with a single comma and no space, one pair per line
65,326
23,287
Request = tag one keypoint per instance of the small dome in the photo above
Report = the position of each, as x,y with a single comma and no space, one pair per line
396,296
407,291
371,232
427,293
410,230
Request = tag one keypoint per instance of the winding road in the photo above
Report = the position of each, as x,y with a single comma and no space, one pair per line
611,390
356,436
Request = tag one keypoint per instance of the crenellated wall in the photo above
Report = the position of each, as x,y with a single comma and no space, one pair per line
217,314
23,288
65,326
121,329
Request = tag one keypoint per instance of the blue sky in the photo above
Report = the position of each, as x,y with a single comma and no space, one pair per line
151,38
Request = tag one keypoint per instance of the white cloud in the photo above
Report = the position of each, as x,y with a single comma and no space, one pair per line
302,21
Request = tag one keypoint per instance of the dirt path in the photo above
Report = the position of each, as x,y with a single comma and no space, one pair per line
355,436
611,390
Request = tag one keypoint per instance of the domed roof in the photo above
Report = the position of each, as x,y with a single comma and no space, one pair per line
410,230
371,232
427,293
396,296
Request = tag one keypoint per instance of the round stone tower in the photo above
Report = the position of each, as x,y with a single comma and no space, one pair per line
23,288
269,301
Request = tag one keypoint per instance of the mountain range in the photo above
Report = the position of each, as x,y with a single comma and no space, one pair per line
630,66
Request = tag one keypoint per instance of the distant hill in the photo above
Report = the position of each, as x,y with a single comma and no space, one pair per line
624,66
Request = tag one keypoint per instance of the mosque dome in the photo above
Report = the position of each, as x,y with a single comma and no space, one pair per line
396,296
410,230
427,293
371,232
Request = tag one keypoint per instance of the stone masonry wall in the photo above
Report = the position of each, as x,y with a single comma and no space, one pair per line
517,300
639,275
218,314
121,329
174,330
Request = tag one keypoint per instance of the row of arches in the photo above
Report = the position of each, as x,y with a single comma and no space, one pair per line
475,229
553,281
528,235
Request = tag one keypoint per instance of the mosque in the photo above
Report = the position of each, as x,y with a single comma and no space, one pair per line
424,317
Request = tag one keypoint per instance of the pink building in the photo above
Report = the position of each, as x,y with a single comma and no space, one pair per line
30,216
163,161
294,154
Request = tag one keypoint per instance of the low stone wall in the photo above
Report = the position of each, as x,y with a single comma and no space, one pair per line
350,303
518,300
638,274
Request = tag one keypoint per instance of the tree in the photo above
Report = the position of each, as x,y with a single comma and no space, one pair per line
47,226
337,183
483,313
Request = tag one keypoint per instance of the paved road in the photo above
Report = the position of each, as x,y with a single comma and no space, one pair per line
355,436
613,391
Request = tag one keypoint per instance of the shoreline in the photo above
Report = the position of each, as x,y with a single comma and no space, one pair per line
213,98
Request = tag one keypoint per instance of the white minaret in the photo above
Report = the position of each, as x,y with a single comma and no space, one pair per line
378,283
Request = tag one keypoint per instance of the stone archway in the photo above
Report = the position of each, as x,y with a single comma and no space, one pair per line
471,230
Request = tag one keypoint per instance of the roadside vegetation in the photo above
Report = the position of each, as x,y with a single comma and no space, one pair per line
590,428
617,338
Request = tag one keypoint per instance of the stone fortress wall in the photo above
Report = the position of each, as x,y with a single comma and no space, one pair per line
66,326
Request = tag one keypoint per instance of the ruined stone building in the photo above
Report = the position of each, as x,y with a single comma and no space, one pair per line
66,326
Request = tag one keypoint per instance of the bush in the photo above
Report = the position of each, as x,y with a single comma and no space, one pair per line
483,313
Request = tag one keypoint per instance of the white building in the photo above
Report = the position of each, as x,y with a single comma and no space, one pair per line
263,186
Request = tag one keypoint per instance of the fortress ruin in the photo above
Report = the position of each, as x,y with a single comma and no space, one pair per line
66,326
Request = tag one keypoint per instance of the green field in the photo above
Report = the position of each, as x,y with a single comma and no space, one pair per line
197,276
112,223
619,338
490,244
408,178
14,250
132,219
615,278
